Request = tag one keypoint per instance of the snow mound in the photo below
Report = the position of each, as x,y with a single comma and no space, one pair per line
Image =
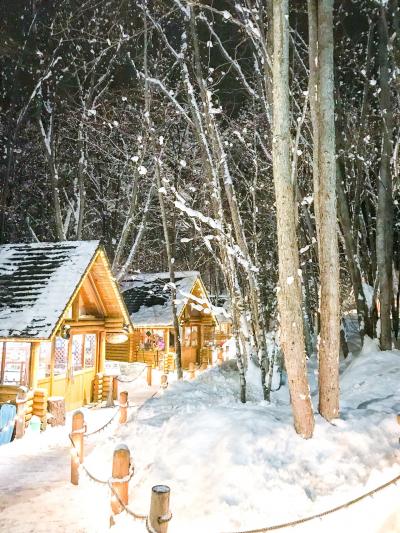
240,466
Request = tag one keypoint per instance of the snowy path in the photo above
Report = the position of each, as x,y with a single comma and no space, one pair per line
230,466
35,488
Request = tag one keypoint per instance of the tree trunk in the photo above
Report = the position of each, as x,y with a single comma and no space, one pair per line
384,221
289,293
48,145
364,322
321,66
171,268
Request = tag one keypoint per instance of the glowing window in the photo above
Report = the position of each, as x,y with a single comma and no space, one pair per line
90,350
60,356
15,363
44,360
77,352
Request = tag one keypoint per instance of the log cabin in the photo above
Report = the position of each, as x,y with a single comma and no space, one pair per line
58,304
148,299
223,331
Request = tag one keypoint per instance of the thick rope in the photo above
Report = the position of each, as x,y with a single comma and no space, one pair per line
324,513
129,511
103,427
133,379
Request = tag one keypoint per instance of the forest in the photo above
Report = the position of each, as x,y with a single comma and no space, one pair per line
255,141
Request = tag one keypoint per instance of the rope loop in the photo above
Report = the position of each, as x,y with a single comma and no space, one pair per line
165,518
103,427
324,513
131,380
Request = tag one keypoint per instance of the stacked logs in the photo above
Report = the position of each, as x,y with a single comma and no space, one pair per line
98,388
107,387
168,363
104,387
39,406
28,407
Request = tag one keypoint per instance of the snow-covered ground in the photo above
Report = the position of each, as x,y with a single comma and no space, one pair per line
230,466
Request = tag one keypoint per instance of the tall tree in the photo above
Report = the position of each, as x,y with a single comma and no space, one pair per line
324,170
384,222
289,293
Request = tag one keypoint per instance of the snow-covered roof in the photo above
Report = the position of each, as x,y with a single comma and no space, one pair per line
221,308
36,283
148,296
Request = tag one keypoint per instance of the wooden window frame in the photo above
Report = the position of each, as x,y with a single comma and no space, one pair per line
84,350
83,354
3,365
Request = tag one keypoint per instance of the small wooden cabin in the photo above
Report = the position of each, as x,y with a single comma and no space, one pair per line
58,303
148,299
223,331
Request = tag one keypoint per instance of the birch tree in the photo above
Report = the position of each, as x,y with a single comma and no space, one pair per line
324,170
289,290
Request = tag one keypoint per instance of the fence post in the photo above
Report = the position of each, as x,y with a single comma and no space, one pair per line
160,515
115,388
123,407
77,451
110,394
149,376
20,420
192,374
120,470
164,381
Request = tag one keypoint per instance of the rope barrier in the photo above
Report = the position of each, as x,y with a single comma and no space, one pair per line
129,511
133,379
92,477
324,513
103,427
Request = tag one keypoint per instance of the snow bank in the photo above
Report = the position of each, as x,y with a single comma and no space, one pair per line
232,466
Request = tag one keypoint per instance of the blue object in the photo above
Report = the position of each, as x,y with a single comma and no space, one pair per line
7,422
34,424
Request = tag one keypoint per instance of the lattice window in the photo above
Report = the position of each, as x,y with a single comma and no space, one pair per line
60,356
90,350
77,352
44,360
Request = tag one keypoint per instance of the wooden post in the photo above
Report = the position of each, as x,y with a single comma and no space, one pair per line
21,406
149,369
115,388
101,357
110,393
77,451
164,381
120,470
398,418
34,365
160,514
123,407
192,374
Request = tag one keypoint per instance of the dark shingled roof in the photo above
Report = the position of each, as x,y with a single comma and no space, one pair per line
36,283
147,293
148,297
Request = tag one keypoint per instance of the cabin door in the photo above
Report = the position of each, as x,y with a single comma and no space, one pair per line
190,345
